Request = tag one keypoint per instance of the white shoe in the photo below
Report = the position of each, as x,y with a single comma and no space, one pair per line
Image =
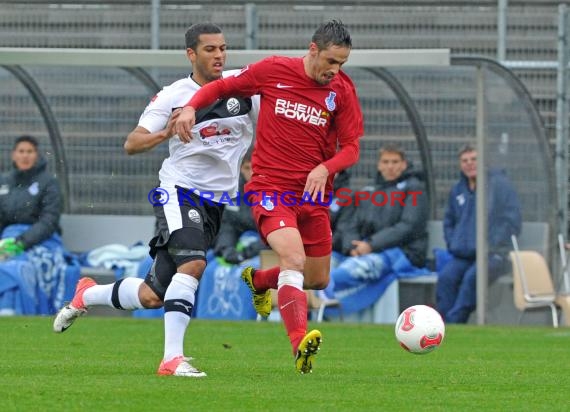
67,315
65,318
179,366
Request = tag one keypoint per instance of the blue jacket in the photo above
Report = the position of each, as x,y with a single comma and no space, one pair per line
504,216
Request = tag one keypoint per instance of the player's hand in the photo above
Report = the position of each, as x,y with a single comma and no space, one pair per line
316,182
170,129
360,248
184,123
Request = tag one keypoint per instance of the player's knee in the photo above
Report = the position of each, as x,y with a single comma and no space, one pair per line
316,283
293,261
148,298
187,249
194,268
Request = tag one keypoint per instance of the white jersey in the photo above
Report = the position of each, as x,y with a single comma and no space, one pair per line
210,163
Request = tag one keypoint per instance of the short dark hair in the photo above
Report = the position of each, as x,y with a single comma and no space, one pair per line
392,148
332,33
194,32
466,148
28,139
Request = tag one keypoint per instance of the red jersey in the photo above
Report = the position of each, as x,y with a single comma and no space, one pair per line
301,122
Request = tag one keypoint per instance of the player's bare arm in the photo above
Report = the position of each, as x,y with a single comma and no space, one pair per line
141,140
316,182
184,123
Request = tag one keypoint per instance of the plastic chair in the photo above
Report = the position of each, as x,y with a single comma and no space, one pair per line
532,282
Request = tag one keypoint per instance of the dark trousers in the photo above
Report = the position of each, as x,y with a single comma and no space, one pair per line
456,291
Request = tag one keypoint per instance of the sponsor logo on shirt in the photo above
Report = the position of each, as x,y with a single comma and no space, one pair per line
213,130
301,112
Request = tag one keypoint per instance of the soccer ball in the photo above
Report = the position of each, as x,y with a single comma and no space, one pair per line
420,329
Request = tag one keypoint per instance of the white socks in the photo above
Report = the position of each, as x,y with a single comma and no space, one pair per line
127,294
178,303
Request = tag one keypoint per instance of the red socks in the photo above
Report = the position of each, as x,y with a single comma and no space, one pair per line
293,309
266,279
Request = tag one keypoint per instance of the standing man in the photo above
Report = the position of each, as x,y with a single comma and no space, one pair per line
456,291
308,130
199,176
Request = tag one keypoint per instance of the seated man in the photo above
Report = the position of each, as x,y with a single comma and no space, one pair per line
33,269
456,286
386,236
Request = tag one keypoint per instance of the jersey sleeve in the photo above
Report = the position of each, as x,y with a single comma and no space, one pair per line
349,127
255,105
157,112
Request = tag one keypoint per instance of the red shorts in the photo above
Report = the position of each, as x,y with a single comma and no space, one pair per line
311,220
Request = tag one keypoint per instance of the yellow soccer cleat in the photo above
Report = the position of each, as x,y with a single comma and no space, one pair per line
308,348
261,300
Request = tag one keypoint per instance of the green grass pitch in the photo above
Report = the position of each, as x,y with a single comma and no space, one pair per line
109,364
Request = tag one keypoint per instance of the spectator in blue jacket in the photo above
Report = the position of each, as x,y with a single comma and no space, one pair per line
456,287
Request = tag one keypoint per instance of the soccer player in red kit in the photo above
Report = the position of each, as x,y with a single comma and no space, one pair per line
308,129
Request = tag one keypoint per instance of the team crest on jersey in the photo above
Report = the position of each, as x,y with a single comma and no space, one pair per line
267,204
194,215
329,101
34,189
233,106
460,199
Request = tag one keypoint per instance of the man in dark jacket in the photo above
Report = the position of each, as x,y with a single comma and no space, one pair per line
386,235
236,221
456,287
29,194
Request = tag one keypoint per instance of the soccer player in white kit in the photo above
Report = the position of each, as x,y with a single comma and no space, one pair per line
198,178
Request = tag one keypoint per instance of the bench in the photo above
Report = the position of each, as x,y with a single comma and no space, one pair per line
421,289
82,233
